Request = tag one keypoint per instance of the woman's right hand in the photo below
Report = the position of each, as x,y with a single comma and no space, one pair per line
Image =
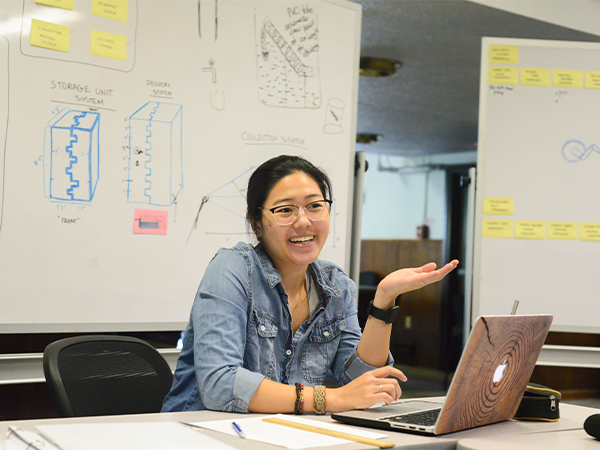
368,389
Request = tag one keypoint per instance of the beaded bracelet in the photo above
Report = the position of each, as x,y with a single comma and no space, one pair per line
299,406
320,402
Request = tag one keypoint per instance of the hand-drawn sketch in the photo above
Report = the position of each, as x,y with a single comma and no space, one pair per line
3,116
155,174
216,2
575,151
217,96
72,156
333,116
288,58
228,200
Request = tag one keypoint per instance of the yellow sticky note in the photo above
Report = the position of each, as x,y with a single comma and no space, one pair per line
497,228
503,54
64,4
562,231
592,79
535,77
50,35
590,232
503,206
530,229
109,45
503,75
567,78
111,9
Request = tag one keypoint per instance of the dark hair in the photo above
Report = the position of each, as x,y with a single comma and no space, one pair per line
270,172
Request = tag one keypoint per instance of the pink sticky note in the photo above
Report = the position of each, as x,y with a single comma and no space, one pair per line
150,221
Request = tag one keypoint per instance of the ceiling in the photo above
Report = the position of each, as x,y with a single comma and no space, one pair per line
430,106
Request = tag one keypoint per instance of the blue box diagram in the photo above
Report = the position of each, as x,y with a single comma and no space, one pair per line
155,173
71,160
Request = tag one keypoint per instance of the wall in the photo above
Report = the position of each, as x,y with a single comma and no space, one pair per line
399,196
416,335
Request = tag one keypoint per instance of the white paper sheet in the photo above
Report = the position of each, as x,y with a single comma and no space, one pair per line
129,436
19,439
257,430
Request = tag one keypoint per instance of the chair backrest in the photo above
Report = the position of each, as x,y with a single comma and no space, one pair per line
105,375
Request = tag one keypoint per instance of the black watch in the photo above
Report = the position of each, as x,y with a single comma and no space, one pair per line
388,316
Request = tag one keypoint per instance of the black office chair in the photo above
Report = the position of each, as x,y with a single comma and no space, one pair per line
105,375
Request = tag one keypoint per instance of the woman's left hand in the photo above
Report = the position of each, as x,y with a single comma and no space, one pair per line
406,280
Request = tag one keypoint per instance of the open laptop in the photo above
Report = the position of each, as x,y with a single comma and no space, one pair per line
487,387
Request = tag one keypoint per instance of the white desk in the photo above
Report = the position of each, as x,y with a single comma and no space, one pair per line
551,434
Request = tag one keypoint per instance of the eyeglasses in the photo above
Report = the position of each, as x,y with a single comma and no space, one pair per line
288,214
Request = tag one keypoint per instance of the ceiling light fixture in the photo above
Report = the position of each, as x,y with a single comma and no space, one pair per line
367,138
378,67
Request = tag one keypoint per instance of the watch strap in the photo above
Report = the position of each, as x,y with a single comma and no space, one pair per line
388,316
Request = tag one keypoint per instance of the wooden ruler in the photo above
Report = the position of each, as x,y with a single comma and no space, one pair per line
327,432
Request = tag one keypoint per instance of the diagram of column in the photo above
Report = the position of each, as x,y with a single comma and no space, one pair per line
71,159
155,154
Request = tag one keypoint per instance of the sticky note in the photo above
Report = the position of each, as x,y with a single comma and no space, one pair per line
50,35
562,231
592,79
109,45
535,77
502,206
530,229
503,54
150,221
503,75
111,9
497,228
64,4
567,78
590,231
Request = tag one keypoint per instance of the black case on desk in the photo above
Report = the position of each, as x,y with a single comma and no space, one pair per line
539,403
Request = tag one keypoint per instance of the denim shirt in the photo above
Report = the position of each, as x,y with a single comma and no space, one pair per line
240,332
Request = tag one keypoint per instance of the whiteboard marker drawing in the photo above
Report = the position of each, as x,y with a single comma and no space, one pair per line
217,96
575,151
216,2
333,116
288,59
155,172
228,201
72,156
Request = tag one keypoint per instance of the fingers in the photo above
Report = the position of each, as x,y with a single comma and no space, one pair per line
389,371
390,392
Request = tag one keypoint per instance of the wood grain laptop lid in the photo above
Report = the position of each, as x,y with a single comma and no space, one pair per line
493,371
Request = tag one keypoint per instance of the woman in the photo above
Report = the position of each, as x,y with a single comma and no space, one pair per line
270,321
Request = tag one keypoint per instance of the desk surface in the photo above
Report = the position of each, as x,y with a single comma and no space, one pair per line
552,434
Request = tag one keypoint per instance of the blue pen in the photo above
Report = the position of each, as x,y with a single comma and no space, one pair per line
238,430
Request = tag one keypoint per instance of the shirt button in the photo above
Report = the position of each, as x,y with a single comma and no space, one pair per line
288,352
325,333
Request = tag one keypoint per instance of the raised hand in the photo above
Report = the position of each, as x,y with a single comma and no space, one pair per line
411,279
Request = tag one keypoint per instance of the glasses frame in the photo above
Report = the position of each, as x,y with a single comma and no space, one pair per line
328,204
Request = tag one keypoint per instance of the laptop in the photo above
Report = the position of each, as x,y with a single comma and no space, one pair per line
487,387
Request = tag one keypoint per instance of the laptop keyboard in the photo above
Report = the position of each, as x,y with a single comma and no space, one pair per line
422,418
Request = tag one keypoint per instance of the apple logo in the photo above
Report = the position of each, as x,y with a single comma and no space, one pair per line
499,373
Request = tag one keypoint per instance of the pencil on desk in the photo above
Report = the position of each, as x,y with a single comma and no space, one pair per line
333,433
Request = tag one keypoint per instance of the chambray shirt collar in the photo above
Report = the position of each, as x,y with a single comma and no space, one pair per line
322,271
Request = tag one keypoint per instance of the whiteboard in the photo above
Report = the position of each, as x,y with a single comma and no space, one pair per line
128,132
537,230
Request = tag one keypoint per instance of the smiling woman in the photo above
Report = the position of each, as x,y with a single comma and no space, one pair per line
269,321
